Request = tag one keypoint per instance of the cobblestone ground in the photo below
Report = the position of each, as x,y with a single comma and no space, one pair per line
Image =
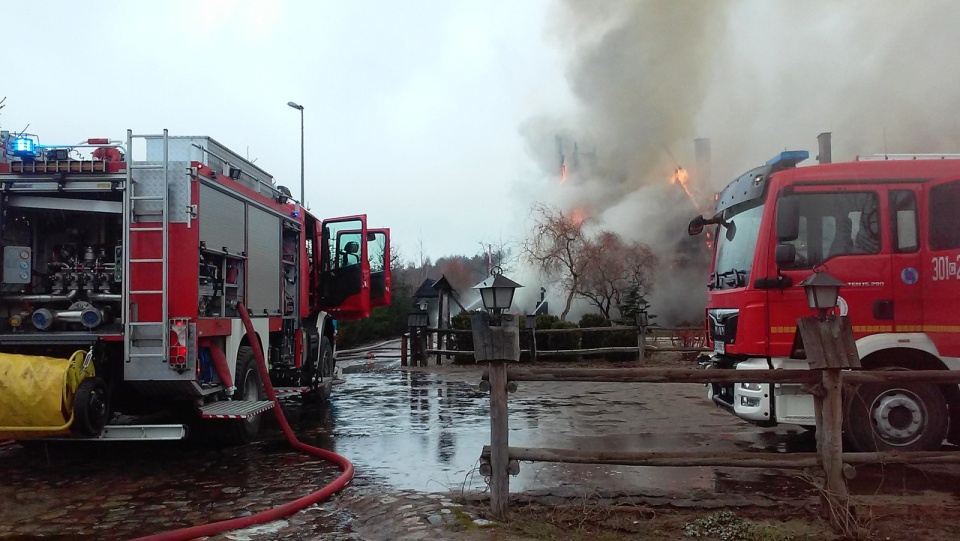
414,439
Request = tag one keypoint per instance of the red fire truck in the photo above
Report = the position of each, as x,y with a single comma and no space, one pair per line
885,227
138,254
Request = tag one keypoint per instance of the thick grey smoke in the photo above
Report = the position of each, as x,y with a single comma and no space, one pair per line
756,77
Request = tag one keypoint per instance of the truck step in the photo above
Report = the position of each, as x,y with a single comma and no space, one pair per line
234,409
132,433
290,390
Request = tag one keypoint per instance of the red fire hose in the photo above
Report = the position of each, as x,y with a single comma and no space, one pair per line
288,508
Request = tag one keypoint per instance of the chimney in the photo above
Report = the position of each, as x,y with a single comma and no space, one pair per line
825,155
701,152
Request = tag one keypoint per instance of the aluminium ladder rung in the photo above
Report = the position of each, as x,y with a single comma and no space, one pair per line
146,198
146,292
147,260
146,166
144,323
141,355
135,229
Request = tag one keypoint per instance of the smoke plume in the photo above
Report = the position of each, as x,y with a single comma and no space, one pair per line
755,77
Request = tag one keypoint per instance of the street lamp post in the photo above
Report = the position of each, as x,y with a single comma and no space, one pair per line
303,197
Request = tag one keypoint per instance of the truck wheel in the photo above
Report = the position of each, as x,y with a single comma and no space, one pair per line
309,373
249,388
90,407
896,417
327,361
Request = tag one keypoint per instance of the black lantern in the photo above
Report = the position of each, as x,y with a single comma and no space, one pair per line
822,291
496,292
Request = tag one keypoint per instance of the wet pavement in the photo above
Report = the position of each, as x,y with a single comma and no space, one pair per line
414,437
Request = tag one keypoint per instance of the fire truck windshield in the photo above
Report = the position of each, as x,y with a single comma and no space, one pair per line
736,242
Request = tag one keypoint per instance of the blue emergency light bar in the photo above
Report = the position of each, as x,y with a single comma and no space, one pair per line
24,146
787,159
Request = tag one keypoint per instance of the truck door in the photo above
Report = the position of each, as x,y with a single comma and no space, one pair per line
840,232
378,254
905,257
381,282
940,264
345,267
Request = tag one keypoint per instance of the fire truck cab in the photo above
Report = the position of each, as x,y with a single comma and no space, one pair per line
884,226
125,267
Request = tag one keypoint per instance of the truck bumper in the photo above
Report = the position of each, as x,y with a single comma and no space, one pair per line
763,404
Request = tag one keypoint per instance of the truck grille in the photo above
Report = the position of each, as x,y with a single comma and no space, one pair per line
723,324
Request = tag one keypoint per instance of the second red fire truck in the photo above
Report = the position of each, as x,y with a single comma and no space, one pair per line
886,227
139,254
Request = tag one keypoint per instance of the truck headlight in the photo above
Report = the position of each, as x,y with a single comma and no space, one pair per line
750,386
749,401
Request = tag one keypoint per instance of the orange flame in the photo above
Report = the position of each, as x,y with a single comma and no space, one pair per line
682,177
578,215
563,173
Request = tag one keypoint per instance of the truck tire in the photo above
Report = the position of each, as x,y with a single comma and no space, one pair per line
249,387
327,362
91,409
319,369
896,417
309,374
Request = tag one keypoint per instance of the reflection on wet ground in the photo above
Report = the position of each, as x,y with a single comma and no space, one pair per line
425,430
409,430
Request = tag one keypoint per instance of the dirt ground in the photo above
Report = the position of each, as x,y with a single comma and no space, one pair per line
919,512
917,519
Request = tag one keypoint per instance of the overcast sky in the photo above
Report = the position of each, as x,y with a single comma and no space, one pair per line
411,108
438,118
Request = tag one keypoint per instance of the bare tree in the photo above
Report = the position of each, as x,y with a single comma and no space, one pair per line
603,271
557,247
613,268
497,254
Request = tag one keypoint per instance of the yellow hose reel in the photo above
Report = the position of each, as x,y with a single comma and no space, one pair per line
45,396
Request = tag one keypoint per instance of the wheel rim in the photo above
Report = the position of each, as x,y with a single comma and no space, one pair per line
899,417
250,391
326,363
97,406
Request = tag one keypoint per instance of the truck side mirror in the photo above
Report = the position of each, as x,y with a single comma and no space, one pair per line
786,255
696,226
788,219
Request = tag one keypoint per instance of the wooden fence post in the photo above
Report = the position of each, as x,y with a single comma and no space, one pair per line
403,348
422,347
499,441
641,335
830,347
497,344
531,326
830,444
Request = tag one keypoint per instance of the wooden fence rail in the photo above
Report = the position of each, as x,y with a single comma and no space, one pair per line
826,385
678,339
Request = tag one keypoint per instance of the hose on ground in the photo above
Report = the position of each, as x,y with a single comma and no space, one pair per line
289,508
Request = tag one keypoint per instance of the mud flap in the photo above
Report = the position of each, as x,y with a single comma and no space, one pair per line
37,393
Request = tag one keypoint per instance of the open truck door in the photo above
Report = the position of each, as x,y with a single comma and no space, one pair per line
381,282
345,267
378,254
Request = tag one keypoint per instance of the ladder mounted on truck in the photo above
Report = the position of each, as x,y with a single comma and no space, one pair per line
146,216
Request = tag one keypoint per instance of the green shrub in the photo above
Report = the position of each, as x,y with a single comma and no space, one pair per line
544,321
462,341
591,340
566,340
620,339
